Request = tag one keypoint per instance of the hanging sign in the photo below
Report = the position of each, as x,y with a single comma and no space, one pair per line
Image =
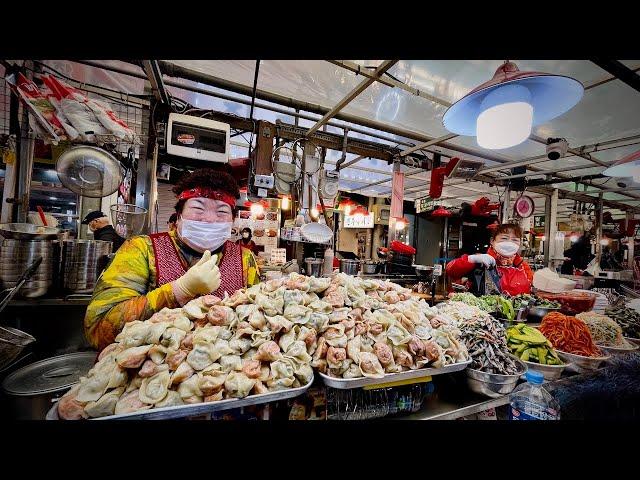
358,221
538,221
424,204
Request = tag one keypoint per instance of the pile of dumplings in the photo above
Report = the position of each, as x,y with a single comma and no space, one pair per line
375,327
263,339
259,340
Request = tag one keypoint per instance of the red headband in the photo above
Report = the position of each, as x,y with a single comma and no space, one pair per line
204,192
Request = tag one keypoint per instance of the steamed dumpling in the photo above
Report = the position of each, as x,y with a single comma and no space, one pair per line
172,337
191,388
183,372
208,334
201,356
154,334
239,345
172,399
370,365
238,385
154,389
230,362
133,334
130,402
105,405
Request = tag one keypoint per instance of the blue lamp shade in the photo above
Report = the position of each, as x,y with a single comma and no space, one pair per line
627,167
512,100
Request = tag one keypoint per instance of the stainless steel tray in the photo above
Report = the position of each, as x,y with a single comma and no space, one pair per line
346,383
196,409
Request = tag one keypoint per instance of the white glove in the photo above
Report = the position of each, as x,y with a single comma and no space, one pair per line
201,279
482,258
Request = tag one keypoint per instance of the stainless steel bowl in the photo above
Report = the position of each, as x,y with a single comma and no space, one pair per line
549,372
580,363
635,341
631,347
492,384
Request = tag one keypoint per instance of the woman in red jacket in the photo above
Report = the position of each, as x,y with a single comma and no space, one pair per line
515,274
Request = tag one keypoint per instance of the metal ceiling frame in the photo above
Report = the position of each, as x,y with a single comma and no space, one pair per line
154,75
180,72
620,71
384,66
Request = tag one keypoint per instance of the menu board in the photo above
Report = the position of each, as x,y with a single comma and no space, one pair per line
423,204
358,221
265,227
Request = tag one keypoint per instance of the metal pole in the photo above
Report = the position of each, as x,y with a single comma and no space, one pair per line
630,244
599,233
25,165
506,203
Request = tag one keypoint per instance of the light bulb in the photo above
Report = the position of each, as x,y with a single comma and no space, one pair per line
604,242
573,238
314,213
285,203
347,210
400,224
506,118
256,209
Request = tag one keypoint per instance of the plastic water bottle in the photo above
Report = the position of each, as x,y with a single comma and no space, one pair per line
530,401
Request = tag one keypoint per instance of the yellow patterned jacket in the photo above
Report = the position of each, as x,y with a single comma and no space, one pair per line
128,289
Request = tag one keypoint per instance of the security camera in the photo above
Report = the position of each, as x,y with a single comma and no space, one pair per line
556,148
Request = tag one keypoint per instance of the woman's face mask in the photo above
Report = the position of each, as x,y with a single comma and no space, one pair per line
506,245
203,236
205,224
246,236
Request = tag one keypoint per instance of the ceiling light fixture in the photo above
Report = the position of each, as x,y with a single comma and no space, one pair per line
502,111
627,167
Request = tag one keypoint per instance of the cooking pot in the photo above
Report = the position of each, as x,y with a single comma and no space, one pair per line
30,390
369,266
350,267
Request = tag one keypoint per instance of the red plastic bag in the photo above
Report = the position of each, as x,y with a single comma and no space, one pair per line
39,107
400,247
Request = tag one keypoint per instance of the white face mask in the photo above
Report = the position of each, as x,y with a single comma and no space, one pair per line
506,249
203,236
245,235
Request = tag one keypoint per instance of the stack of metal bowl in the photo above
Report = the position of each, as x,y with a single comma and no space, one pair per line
15,258
492,384
81,260
81,264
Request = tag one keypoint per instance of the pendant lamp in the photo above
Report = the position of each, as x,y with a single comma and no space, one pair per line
627,167
502,111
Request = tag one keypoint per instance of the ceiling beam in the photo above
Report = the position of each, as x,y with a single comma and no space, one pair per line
384,66
620,71
390,82
154,75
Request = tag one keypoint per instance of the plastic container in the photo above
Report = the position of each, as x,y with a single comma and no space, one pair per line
573,302
530,401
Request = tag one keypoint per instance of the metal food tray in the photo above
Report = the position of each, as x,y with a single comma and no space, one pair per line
347,383
181,411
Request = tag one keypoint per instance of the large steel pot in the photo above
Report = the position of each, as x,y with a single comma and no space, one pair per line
350,267
80,260
30,390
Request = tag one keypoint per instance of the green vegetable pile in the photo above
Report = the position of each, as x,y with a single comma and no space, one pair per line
530,345
500,304
470,299
627,318
532,301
